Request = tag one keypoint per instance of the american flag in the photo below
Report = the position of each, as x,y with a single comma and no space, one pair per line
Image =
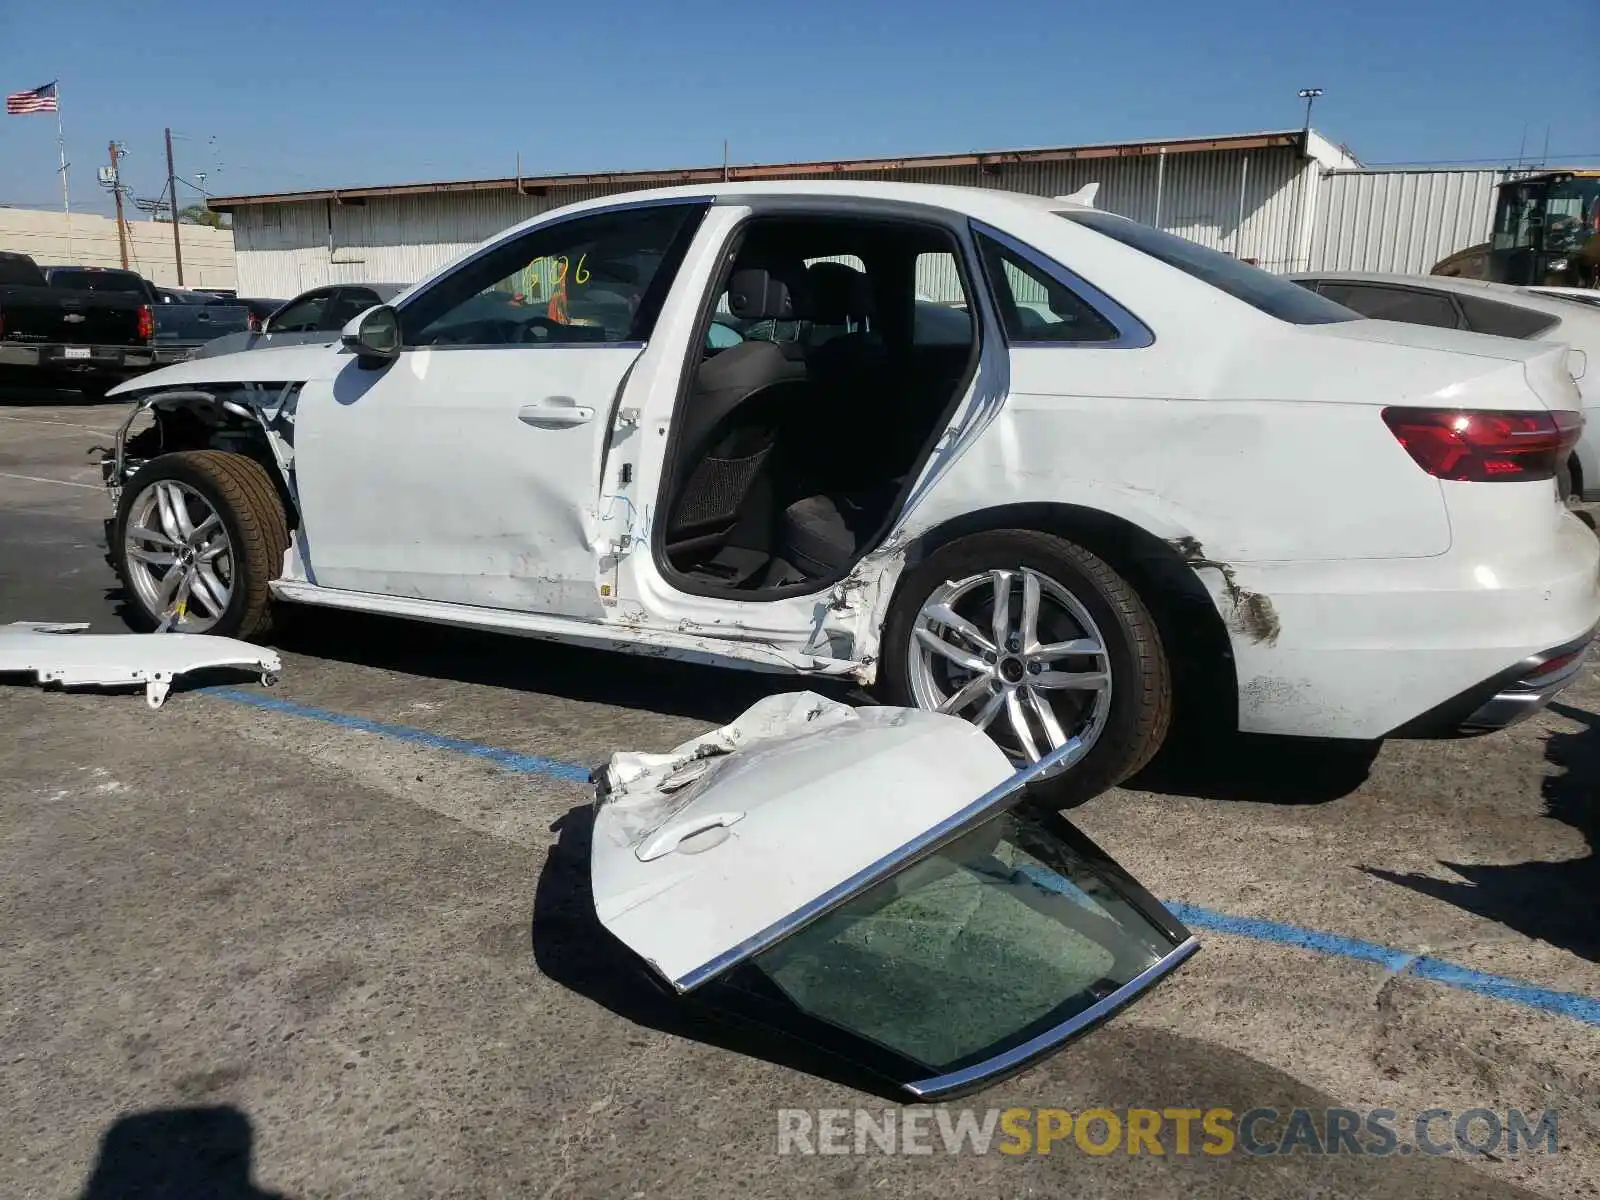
42,99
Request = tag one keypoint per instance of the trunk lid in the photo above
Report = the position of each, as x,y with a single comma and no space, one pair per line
1510,373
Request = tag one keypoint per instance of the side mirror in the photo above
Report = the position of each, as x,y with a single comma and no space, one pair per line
374,335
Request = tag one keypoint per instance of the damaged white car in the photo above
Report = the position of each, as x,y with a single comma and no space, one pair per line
1002,456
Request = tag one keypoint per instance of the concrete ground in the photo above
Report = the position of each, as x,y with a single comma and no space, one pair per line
321,949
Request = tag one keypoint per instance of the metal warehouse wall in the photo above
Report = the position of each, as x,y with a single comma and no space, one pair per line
91,241
285,248
1403,221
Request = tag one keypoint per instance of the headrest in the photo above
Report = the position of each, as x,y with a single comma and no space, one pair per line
765,294
839,293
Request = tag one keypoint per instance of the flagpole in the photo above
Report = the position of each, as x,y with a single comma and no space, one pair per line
61,144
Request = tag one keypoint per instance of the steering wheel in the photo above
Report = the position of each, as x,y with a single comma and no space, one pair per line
544,325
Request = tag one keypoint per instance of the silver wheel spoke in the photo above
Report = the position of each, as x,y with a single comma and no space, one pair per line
1070,681
204,530
987,713
1019,724
151,536
174,511
1080,646
978,685
943,614
168,588
156,558
955,654
1047,718
1029,628
212,552
1002,607
209,590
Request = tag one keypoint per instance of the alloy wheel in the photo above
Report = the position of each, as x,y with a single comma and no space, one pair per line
1018,655
178,557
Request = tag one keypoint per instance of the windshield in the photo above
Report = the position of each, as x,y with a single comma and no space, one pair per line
1559,215
1272,294
97,281
970,954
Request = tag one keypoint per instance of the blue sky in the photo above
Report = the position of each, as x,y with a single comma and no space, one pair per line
293,94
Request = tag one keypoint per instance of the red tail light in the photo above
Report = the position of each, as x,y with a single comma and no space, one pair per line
1481,447
147,323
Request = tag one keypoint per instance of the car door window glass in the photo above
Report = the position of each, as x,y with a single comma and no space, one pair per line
594,279
347,304
991,941
302,315
941,316
1034,305
1394,304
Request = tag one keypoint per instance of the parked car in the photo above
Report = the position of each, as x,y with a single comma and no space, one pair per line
1193,489
312,317
1589,296
185,321
1494,308
56,335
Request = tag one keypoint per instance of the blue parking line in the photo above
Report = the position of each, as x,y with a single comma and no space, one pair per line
510,760
1513,991
1498,987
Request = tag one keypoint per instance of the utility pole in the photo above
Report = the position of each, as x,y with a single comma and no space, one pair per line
172,199
116,193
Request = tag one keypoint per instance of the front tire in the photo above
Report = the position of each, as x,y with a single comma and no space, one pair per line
1040,642
198,537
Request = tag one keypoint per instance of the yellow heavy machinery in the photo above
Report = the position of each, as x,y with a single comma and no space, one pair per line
1546,232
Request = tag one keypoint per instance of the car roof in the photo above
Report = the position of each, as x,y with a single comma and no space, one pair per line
972,201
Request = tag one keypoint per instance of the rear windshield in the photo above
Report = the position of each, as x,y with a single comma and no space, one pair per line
1272,294
96,281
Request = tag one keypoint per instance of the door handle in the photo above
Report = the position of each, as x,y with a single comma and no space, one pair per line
549,415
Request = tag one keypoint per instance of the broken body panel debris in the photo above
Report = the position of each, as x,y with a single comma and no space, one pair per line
59,653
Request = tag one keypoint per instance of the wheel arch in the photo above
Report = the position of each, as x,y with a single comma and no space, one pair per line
1193,633
225,419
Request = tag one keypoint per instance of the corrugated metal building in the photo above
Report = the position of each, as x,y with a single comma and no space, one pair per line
1253,195
1400,220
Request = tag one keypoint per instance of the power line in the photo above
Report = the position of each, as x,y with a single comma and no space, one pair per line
1491,160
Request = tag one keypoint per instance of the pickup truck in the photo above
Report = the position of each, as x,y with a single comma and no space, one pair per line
184,322
56,334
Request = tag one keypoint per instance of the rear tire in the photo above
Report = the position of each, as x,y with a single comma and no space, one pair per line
241,494
1078,599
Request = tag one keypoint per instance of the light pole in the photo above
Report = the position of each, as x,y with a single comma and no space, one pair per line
1309,95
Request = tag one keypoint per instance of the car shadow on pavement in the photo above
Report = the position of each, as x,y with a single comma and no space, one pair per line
1257,768
1551,901
173,1153
573,949
712,694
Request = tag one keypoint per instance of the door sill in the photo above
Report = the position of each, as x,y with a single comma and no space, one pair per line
749,655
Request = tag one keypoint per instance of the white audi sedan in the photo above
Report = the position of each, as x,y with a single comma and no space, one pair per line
1001,456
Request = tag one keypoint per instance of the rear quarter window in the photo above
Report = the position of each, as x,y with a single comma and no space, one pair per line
1507,320
1271,294
1411,306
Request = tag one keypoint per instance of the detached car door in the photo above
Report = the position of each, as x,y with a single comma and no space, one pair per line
873,881
466,470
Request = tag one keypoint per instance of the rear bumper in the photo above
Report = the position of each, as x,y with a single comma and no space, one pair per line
1418,647
58,357
1512,696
